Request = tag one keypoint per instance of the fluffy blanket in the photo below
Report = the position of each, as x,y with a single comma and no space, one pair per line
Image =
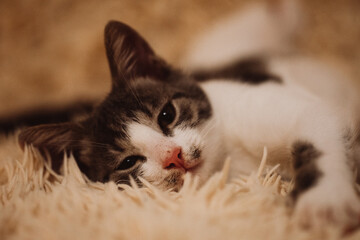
36,203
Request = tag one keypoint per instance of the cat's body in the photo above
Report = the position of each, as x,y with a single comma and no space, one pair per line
286,107
159,123
304,111
298,128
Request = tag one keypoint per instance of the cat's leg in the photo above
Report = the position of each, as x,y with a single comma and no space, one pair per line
324,188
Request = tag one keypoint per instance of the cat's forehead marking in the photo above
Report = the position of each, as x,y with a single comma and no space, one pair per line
148,92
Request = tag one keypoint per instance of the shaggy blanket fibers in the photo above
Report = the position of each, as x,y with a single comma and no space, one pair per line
36,203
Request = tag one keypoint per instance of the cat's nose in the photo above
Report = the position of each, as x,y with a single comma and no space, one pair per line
173,159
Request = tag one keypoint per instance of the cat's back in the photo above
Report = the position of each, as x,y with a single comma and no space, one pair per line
255,47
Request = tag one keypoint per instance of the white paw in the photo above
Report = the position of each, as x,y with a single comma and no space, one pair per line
321,206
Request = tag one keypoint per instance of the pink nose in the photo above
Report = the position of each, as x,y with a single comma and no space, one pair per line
173,159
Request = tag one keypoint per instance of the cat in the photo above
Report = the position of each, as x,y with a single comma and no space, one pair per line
159,122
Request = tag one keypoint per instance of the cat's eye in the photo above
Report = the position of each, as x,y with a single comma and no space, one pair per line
129,162
167,115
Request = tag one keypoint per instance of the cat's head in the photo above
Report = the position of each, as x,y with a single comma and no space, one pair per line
152,124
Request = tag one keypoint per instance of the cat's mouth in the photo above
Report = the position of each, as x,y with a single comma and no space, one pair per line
175,179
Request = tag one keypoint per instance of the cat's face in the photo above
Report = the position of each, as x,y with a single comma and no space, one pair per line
152,129
155,123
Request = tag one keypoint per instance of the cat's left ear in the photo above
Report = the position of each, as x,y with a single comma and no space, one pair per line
130,56
54,139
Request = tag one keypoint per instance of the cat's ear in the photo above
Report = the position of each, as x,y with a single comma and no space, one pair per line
53,139
130,56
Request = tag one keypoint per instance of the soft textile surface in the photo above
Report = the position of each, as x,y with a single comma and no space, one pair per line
36,203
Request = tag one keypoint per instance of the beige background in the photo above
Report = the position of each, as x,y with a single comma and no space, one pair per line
51,52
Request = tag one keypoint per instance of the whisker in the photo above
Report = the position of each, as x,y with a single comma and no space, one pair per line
204,132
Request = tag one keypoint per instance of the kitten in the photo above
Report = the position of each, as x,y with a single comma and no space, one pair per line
159,122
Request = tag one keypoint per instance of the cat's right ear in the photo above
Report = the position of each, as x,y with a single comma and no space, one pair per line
53,139
130,56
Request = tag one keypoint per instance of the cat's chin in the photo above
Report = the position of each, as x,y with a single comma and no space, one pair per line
175,179
193,171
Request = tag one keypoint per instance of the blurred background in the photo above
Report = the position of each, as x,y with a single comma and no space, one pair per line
51,52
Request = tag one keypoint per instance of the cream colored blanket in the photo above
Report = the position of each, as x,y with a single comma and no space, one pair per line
36,203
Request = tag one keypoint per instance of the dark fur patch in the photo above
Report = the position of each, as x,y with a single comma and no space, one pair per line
196,153
130,56
304,155
55,139
252,71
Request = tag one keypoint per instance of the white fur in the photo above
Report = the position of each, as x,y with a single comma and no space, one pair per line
314,103
154,146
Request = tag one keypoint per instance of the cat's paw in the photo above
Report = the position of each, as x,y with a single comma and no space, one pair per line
319,207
